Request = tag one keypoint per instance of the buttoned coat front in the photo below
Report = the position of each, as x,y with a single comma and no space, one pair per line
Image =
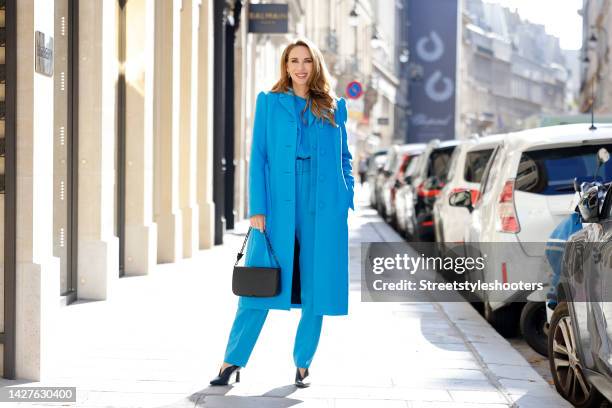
272,192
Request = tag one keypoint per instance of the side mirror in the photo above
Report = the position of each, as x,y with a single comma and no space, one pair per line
588,215
461,198
603,155
588,206
576,185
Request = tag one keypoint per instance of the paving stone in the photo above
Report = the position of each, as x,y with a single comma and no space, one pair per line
478,397
160,339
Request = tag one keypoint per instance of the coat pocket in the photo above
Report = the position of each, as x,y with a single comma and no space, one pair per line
268,191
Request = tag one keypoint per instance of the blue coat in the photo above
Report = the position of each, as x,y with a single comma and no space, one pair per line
272,192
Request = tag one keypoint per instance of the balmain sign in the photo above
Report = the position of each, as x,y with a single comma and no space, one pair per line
268,18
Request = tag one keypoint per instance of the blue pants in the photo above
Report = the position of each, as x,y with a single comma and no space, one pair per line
248,322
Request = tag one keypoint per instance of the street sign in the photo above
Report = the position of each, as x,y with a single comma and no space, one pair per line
268,18
44,54
354,90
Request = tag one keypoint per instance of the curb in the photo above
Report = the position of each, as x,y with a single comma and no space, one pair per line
505,367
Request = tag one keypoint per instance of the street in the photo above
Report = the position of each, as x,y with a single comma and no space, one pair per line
161,338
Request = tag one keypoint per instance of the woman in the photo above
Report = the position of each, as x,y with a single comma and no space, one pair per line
300,190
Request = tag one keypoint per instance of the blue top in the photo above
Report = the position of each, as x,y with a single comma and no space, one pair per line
306,133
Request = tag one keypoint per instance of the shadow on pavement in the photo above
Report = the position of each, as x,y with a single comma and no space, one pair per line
216,397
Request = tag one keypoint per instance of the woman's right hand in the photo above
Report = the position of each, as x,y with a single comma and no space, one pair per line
259,222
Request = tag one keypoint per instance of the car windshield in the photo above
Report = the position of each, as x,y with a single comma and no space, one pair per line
552,171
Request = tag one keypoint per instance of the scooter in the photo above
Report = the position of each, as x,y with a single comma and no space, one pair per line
537,312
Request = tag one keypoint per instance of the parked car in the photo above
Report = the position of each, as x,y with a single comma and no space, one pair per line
423,184
579,337
400,157
466,168
376,162
404,202
525,192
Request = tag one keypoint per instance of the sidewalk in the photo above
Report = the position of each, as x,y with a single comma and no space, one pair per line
161,338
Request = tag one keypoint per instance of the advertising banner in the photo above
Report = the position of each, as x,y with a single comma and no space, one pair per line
432,70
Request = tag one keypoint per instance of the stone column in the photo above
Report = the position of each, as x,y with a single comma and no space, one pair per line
204,164
188,126
167,130
140,230
98,253
37,272
240,117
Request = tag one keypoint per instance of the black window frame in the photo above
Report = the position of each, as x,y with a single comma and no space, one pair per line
485,176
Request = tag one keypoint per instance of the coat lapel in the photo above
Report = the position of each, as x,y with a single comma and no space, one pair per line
286,100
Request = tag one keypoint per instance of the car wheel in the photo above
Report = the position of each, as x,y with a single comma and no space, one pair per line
533,322
421,234
504,320
381,209
478,306
566,368
440,246
410,231
401,227
394,221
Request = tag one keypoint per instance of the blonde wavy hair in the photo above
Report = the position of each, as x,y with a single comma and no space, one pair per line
321,95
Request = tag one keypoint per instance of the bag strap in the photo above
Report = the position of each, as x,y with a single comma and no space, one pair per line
241,253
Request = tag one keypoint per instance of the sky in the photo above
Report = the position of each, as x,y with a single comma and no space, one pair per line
560,18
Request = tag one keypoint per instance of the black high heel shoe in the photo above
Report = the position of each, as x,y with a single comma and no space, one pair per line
299,380
224,376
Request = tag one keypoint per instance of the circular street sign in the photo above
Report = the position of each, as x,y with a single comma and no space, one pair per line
354,90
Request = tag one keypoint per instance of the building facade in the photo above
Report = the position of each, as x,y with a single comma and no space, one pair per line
107,154
510,71
595,84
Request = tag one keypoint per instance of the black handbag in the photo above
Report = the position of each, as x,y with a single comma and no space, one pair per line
256,281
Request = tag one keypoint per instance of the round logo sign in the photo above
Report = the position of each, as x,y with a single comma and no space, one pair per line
354,90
